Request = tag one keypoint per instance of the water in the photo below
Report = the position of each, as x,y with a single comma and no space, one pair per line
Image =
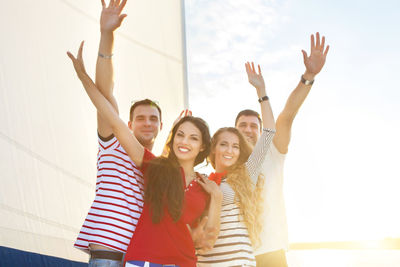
344,258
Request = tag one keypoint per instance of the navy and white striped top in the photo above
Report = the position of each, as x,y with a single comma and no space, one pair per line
233,246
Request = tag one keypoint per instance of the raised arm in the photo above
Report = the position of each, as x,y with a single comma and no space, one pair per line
256,158
314,64
110,20
128,141
257,80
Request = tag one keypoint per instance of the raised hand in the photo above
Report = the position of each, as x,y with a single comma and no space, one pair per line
210,186
203,236
111,17
78,62
316,60
255,79
184,113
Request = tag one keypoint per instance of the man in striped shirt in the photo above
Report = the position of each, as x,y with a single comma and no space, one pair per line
274,237
118,203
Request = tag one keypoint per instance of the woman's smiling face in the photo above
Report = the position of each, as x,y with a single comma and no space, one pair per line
227,151
187,142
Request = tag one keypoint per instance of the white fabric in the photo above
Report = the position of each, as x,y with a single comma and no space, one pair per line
275,231
48,124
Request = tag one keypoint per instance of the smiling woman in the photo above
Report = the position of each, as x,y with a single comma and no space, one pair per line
226,151
238,173
162,235
187,142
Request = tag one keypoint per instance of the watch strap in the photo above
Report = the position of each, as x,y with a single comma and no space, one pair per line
264,98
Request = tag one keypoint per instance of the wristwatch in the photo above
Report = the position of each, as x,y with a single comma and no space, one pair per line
306,82
264,98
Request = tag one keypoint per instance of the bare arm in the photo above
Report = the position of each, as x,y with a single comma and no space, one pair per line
214,211
314,64
201,236
111,18
128,141
256,158
257,80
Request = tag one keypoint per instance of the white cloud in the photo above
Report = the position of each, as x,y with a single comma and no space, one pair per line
224,29
221,37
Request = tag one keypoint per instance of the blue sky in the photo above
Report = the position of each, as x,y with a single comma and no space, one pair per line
341,178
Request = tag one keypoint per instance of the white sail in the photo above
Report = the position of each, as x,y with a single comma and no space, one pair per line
48,136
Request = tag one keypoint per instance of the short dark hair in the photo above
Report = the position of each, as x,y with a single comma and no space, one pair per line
248,112
144,102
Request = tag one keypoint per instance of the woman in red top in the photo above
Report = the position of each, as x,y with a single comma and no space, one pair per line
175,196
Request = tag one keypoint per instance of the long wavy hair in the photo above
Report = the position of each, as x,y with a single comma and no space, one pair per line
165,187
248,196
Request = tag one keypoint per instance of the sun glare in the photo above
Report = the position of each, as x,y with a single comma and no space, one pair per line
372,245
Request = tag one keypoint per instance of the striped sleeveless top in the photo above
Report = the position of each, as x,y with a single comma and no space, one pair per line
233,246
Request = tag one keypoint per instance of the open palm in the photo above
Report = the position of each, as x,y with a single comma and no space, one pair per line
111,17
255,79
315,62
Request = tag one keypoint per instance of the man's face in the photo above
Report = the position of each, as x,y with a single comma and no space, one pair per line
249,126
145,124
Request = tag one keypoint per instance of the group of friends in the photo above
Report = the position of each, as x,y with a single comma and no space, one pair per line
158,211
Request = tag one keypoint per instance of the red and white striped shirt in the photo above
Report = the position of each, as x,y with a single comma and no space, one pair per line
118,203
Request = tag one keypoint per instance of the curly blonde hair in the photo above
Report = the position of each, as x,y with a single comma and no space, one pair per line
248,196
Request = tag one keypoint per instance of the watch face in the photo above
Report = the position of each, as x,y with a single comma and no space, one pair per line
261,99
306,82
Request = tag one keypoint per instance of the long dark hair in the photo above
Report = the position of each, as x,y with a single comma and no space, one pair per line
165,187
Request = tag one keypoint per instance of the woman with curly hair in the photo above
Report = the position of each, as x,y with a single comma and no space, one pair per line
238,171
